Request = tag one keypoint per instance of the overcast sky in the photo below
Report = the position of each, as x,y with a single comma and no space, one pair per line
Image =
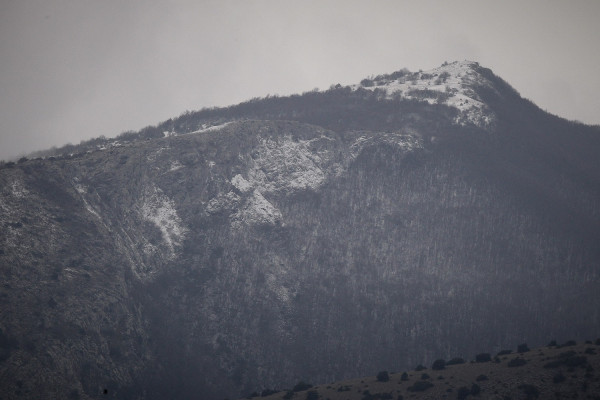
71,70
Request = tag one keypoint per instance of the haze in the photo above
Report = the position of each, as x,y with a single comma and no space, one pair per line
73,70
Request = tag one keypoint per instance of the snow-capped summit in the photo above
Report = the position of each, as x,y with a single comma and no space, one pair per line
451,84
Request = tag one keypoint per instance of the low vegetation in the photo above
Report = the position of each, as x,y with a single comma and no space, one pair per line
574,376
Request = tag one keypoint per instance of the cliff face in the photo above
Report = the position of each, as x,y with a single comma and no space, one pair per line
270,242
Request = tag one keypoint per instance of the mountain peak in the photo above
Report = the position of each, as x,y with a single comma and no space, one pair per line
452,84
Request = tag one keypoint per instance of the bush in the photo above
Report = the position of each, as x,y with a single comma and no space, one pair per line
300,386
530,391
483,357
517,362
420,386
568,343
463,392
552,343
456,361
475,389
383,376
504,352
438,365
404,376
425,376
576,361
558,378
420,368
522,348
367,82
312,395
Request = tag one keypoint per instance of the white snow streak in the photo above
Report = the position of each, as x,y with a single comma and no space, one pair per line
160,210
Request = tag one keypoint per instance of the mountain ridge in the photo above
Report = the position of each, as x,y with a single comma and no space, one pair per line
422,87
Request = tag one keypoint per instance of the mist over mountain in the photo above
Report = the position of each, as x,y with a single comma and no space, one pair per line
319,237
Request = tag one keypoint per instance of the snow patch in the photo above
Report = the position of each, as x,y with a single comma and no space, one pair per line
18,190
208,128
241,184
286,164
223,203
160,210
175,165
256,211
405,142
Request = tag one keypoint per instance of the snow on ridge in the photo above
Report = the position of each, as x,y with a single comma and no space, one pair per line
450,84
404,141
207,128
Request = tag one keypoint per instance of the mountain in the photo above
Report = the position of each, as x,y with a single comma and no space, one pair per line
318,237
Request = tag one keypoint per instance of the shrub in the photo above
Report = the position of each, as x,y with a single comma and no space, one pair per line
456,361
568,343
463,392
530,391
367,82
267,392
312,395
553,364
404,376
438,364
425,376
517,362
300,386
383,376
576,361
481,378
483,357
504,352
552,343
420,386
475,389
558,378
420,368
522,348
288,395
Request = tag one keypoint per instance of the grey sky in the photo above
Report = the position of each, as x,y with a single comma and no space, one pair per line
72,70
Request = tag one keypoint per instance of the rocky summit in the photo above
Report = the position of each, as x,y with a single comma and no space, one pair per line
320,237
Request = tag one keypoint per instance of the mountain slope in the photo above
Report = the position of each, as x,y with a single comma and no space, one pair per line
316,237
